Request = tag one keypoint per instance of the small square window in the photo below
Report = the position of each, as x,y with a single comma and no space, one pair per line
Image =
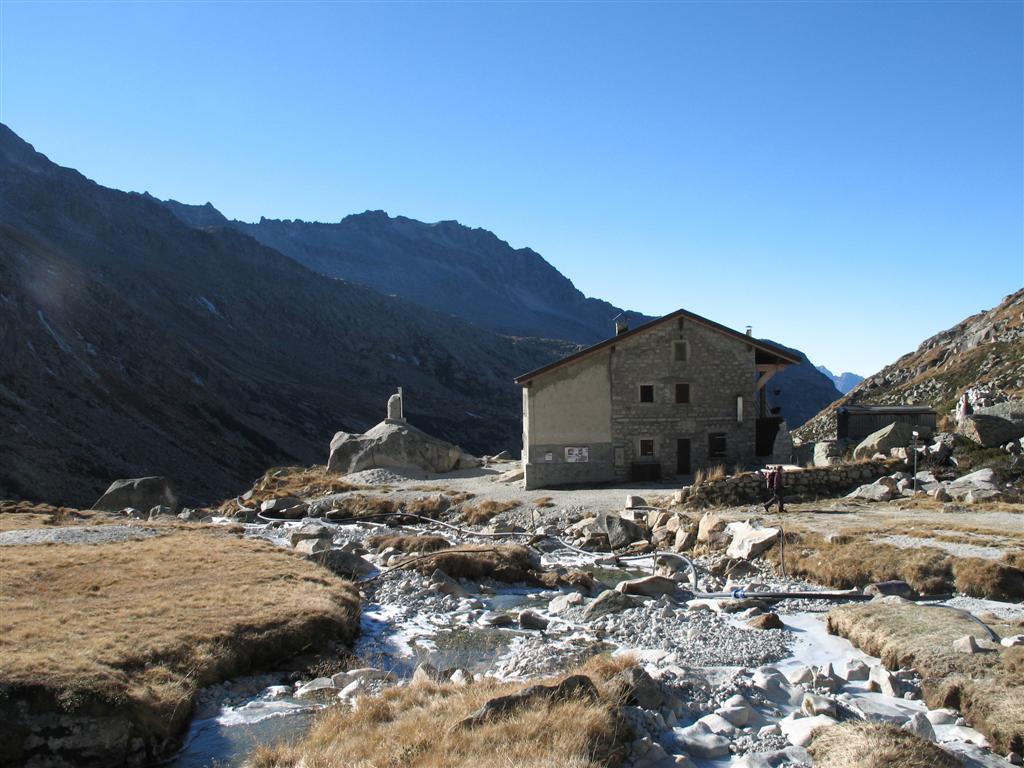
646,446
716,445
682,392
646,393
680,351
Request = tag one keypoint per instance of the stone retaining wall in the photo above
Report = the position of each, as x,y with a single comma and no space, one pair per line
800,485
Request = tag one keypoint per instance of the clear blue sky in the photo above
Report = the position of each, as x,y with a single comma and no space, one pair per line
847,178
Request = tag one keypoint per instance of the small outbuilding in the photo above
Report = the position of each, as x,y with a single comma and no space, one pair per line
855,422
659,401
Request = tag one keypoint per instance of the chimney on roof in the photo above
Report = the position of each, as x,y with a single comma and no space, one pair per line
621,323
750,330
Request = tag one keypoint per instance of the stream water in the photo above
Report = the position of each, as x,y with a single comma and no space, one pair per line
398,638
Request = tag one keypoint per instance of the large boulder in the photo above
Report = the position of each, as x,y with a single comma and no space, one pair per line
621,532
711,530
648,586
896,435
977,485
138,493
346,564
990,431
609,601
872,492
827,453
749,541
392,444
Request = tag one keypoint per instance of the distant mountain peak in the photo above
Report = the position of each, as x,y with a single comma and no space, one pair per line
844,381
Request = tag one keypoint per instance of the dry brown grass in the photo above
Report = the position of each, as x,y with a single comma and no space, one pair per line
301,482
875,745
407,543
503,562
437,505
984,686
989,578
543,502
478,514
360,505
135,629
18,515
418,727
862,561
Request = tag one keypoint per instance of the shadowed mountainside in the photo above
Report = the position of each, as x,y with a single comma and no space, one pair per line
472,274
134,344
446,266
800,391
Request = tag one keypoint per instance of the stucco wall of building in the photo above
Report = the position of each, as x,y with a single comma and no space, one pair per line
569,408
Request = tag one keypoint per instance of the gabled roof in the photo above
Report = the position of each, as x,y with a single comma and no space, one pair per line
766,352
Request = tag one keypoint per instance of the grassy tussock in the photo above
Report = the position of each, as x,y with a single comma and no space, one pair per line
360,505
990,579
503,562
985,686
407,543
436,505
142,625
418,727
862,561
543,502
18,515
478,514
301,482
875,745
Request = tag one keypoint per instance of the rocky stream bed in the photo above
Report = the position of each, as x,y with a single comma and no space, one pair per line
717,692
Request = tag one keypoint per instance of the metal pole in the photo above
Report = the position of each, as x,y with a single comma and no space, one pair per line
915,462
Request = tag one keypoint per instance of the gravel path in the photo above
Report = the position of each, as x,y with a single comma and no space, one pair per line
485,483
954,548
77,534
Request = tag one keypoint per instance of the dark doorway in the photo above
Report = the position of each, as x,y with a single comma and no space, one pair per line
683,456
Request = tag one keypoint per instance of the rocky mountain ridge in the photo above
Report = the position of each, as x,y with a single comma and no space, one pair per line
446,266
472,274
844,381
984,350
134,344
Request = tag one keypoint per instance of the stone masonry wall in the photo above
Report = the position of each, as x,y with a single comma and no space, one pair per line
718,368
800,485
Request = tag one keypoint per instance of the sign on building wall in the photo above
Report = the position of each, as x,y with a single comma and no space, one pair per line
575,455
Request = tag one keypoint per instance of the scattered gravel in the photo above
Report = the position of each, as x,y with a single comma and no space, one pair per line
386,476
77,534
695,638
978,606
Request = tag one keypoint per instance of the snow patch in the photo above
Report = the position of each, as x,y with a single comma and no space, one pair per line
56,336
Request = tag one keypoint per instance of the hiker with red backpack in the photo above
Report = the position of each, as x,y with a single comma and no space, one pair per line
775,487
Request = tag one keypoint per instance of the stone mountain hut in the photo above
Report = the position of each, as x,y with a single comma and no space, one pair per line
662,400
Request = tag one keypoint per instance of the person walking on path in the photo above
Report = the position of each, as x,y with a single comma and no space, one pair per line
776,488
